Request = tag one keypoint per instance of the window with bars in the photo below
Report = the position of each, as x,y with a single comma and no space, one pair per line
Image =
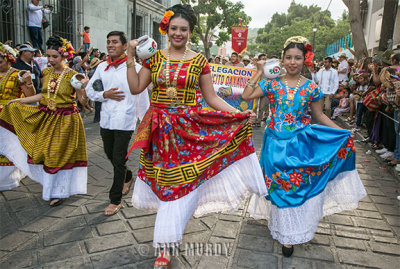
139,26
63,20
7,10
156,33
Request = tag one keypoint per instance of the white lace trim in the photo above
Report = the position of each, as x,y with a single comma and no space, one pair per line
224,192
60,185
298,225
10,176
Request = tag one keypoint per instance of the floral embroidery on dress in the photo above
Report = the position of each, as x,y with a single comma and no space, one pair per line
286,117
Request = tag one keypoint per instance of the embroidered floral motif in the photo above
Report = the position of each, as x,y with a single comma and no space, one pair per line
286,119
342,153
296,178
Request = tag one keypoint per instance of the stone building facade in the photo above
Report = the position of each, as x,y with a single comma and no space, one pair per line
134,17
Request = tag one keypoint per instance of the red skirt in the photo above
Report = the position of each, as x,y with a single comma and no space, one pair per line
184,147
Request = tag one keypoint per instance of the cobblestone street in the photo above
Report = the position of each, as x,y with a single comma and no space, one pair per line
78,235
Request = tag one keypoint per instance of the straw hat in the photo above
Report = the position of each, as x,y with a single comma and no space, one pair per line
94,63
246,58
343,55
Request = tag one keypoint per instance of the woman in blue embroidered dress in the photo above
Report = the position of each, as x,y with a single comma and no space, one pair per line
309,169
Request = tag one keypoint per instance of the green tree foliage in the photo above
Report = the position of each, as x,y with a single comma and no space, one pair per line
215,19
299,20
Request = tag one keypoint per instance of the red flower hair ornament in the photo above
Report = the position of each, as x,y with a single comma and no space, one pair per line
8,53
309,56
165,21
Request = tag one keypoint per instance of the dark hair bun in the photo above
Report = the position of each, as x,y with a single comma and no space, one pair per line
186,12
54,42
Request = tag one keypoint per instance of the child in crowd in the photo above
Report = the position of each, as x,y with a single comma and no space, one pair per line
344,105
86,38
363,81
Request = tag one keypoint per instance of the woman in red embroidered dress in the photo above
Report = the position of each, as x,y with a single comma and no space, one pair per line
193,161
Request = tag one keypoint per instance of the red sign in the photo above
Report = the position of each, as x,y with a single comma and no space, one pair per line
239,38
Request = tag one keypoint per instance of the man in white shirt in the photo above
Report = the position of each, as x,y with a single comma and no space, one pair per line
247,62
119,113
328,82
35,17
343,68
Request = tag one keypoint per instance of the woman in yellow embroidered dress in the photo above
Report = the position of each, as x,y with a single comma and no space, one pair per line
47,141
11,88
193,161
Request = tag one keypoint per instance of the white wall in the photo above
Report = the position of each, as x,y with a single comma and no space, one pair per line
372,29
105,16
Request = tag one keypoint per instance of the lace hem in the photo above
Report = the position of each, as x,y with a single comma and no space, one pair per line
60,185
224,192
10,176
298,225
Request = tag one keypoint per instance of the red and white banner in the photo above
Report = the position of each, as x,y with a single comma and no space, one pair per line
239,38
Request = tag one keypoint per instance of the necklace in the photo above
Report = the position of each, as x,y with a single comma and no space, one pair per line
172,91
291,95
53,86
9,71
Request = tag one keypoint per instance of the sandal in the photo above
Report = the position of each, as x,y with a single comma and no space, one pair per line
58,202
286,251
161,262
111,210
127,187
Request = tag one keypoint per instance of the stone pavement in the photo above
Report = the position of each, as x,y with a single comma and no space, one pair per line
77,235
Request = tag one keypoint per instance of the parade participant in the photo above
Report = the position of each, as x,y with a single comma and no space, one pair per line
246,62
225,60
234,61
47,141
309,169
10,88
193,161
118,115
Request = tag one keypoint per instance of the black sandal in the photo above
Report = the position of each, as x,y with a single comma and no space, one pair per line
59,202
287,252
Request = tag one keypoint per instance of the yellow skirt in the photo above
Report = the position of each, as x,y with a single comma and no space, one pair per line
54,139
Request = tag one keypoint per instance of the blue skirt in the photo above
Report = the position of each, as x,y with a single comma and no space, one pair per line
298,165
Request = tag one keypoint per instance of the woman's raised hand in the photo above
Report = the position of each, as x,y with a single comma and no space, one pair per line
132,47
260,65
27,77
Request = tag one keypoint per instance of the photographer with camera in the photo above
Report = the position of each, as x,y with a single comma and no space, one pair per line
35,19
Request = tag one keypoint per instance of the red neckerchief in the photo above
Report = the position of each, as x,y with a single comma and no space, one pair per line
116,62
235,63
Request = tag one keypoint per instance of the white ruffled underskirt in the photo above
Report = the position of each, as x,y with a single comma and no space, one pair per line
60,185
10,176
222,193
297,225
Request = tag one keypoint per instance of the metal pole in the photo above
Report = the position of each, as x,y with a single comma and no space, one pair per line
133,32
313,42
